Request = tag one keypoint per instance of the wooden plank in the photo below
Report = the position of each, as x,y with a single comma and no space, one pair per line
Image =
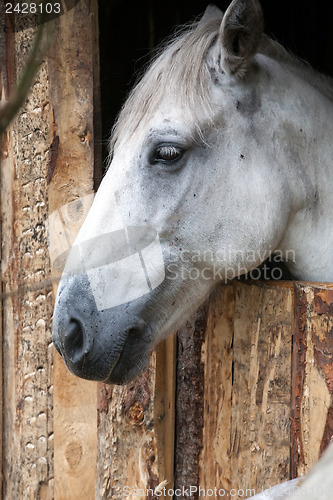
312,383
73,87
75,437
164,409
247,368
217,356
135,432
190,403
260,442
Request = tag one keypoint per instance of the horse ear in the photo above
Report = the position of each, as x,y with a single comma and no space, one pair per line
239,37
212,12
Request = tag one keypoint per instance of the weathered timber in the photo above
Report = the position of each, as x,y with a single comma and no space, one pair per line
217,359
261,394
233,400
315,485
268,370
73,111
312,382
27,365
7,78
190,403
136,432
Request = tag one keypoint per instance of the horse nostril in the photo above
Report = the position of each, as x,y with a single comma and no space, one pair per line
76,344
134,332
136,329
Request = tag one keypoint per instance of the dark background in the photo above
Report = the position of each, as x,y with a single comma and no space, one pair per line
130,29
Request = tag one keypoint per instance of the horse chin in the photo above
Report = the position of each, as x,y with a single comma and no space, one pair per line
121,376
121,372
124,371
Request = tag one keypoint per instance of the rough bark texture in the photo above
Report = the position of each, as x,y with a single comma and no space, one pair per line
27,305
312,384
190,402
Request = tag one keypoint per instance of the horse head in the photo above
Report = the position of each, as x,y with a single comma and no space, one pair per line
197,192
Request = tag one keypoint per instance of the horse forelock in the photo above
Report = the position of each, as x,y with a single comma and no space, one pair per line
179,68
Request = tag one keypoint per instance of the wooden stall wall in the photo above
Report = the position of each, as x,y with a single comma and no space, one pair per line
49,432
243,402
253,398
266,354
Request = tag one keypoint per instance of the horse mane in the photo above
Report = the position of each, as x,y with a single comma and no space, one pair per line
276,51
179,66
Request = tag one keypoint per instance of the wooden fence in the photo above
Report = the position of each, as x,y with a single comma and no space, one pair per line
241,400
253,397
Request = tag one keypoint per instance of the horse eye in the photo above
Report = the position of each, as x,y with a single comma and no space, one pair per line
168,154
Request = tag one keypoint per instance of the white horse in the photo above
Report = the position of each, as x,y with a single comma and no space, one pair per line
221,156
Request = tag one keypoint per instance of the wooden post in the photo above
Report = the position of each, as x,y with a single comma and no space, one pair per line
217,357
312,381
73,70
7,76
246,390
27,303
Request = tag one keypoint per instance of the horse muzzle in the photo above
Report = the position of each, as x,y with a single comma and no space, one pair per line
109,345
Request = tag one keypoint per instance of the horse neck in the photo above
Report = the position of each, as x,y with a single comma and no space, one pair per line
306,132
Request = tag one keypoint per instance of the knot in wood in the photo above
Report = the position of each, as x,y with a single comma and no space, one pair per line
73,453
136,413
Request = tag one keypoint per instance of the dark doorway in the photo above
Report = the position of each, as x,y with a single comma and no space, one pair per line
130,29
